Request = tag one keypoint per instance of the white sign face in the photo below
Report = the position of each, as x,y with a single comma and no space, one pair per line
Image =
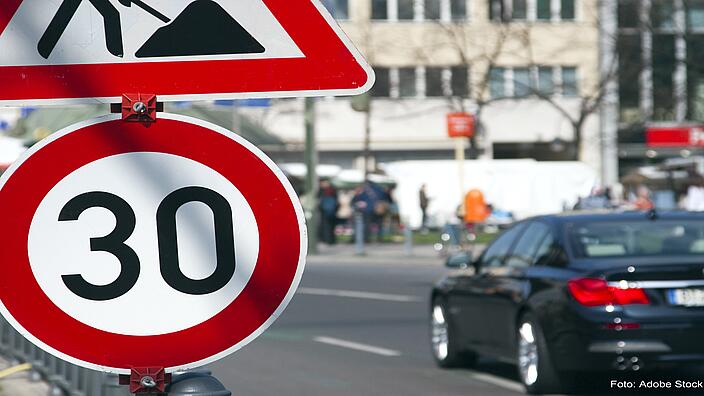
131,177
79,32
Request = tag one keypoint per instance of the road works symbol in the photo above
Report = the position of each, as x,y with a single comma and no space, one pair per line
176,49
187,251
203,28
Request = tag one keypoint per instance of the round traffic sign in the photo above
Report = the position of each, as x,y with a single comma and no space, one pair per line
126,246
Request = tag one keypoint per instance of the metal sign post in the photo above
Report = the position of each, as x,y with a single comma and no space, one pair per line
143,108
460,126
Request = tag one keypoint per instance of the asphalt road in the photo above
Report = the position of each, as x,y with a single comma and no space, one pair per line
357,327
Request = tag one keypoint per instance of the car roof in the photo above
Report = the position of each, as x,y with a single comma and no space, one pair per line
614,215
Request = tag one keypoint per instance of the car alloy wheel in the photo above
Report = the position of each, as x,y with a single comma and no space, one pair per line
528,359
440,339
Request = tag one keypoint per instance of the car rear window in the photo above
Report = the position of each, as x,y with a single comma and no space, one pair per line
637,238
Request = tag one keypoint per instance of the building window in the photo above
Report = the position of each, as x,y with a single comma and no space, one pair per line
382,86
567,10
527,81
444,81
339,9
695,79
540,10
434,82
628,13
543,12
412,10
695,14
406,10
629,67
497,86
432,10
546,82
521,82
380,10
662,14
663,85
458,10
460,81
519,10
407,82
498,10
569,81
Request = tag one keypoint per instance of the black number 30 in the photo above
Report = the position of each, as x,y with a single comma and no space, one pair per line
114,243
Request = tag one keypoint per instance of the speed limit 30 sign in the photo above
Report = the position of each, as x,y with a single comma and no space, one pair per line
169,246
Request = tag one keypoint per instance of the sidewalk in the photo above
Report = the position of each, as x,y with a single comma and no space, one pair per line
376,253
20,384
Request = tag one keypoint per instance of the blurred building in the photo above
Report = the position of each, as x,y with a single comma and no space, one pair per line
527,68
660,49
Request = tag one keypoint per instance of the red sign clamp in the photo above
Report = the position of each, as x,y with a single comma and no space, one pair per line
146,380
138,108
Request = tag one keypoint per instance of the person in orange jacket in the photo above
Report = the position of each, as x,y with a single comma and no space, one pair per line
475,208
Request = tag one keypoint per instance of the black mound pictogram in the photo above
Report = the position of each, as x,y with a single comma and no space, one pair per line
203,28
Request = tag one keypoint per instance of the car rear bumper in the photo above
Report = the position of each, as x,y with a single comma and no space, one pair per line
595,348
630,346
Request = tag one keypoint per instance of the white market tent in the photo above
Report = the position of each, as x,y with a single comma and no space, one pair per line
356,176
524,187
299,170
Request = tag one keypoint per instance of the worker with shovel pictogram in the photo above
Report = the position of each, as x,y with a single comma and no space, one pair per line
111,20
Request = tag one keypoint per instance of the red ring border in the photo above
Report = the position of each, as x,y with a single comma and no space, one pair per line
276,269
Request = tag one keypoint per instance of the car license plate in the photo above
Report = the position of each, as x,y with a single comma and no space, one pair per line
686,297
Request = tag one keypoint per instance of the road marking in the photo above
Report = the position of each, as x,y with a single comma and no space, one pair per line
358,294
498,381
357,346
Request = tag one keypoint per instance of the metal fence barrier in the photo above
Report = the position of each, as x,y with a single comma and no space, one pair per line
65,379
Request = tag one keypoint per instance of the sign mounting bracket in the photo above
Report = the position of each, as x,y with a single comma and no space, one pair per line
146,380
138,107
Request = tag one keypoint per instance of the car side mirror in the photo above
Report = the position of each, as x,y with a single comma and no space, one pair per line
461,260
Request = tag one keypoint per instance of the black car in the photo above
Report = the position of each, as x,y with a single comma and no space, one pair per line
577,293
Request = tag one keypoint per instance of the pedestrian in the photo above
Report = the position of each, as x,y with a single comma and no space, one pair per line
476,210
694,201
329,204
599,198
360,205
424,200
382,210
392,221
369,203
642,200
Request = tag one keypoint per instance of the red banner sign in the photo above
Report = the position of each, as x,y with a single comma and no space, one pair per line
675,136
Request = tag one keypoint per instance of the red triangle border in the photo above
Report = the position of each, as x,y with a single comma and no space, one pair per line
330,66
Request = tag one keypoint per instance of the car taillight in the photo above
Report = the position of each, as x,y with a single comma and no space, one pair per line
594,292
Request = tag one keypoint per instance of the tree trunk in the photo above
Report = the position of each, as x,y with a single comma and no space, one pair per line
577,144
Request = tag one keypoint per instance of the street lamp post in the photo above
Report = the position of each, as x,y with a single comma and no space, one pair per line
311,184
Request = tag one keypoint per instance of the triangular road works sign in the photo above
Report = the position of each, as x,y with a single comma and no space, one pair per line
78,51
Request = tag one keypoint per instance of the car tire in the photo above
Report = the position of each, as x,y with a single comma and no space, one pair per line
535,367
443,339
